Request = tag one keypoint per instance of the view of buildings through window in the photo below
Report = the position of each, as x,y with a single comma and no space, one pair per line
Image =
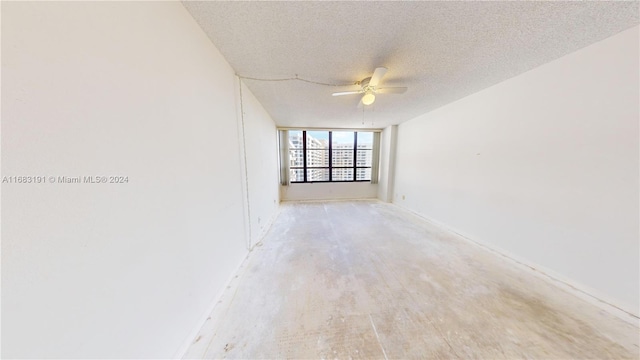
330,155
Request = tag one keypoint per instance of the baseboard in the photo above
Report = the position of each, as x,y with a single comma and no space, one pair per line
267,227
583,292
182,350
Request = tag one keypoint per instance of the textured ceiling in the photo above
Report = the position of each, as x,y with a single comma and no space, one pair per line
442,51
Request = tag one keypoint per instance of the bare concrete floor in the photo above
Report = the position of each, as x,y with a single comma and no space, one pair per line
364,279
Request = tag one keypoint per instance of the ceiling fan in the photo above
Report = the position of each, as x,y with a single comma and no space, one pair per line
369,88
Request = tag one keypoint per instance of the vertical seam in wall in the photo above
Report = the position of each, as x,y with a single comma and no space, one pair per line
391,168
1,126
246,171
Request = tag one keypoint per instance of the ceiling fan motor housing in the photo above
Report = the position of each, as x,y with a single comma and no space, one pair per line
364,82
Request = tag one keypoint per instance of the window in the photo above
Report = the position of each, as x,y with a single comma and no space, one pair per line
330,156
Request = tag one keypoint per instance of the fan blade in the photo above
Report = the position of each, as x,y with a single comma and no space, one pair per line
392,90
377,76
345,93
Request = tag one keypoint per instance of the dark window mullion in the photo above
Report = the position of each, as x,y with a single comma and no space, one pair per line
304,155
330,157
355,153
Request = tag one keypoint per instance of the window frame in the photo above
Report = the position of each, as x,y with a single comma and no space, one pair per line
330,167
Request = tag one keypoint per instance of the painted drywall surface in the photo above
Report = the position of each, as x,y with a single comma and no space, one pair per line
133,89
329,191
383,180
544,166
388,145
261,150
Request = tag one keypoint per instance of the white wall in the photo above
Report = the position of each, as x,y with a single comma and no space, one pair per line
118,88
329,191
261,144
388,140
543,166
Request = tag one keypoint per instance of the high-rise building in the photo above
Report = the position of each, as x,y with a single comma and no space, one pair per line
342,158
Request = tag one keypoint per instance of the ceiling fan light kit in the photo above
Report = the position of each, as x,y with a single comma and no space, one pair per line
369,87
368,98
